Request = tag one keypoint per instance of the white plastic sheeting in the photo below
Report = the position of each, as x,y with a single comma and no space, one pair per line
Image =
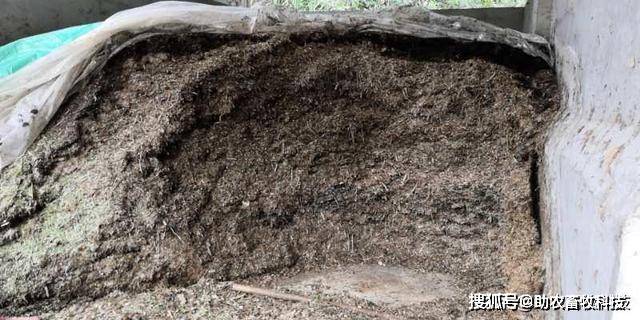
30,97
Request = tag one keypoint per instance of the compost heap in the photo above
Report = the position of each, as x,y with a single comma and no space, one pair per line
232,158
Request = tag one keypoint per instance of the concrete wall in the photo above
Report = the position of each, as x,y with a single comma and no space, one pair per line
22,18
592,165
503,17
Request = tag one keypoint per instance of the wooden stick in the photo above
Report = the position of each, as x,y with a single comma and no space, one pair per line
297,298
268,293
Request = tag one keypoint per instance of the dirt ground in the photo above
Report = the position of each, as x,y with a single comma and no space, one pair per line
191,161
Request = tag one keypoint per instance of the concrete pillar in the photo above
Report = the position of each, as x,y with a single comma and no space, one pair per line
538,16
592,163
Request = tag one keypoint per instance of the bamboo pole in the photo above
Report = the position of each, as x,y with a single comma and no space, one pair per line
298,298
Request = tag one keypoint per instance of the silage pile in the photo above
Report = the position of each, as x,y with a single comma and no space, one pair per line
233,157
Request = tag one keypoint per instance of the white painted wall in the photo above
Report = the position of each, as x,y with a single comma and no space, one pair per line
592,165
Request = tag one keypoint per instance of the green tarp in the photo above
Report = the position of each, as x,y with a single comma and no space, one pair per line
17,54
